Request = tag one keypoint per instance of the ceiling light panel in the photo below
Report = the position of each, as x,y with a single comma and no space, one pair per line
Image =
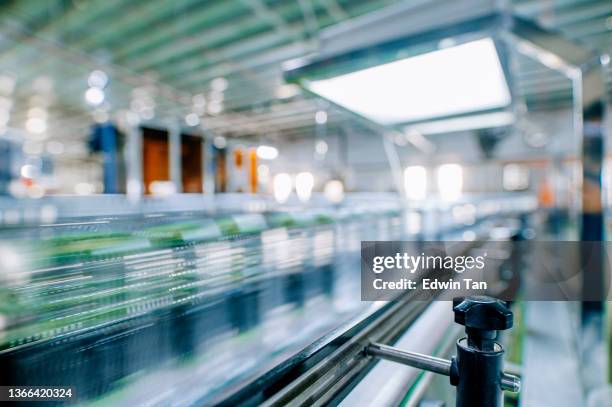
460,79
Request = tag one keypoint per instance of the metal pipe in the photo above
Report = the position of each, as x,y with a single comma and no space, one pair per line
510,382
133,163
430,363
395,164
418,360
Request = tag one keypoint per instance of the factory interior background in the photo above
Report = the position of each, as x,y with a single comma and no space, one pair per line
186,186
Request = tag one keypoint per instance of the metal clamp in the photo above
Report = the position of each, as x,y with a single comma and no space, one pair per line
476,370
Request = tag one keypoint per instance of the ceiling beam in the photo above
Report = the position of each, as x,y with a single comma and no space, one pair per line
334,10
261,10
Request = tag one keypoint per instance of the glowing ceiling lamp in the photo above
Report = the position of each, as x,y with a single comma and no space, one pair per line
94,96
304,182
267,152
192,119
450,181
415,182
334,191
283,185
461,79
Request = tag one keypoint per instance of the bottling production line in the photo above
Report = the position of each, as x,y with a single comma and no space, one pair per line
208,236
118,305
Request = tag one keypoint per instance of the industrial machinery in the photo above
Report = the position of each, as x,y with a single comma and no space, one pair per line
109,305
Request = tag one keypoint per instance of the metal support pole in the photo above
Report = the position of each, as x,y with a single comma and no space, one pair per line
395,164
584,69
588,89
208,165
589,108
174,153
133,162
109,149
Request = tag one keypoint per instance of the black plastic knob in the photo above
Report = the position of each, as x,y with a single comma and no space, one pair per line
482,317
484,313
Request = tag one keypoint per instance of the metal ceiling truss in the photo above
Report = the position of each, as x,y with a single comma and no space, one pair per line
181,46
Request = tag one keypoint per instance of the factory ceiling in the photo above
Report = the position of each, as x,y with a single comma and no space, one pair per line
219,59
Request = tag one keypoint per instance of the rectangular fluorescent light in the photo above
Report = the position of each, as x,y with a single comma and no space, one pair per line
464,123
415,182
450,181
461,79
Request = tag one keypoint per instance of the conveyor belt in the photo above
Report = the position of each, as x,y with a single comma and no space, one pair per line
104,300
325,372
117,306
